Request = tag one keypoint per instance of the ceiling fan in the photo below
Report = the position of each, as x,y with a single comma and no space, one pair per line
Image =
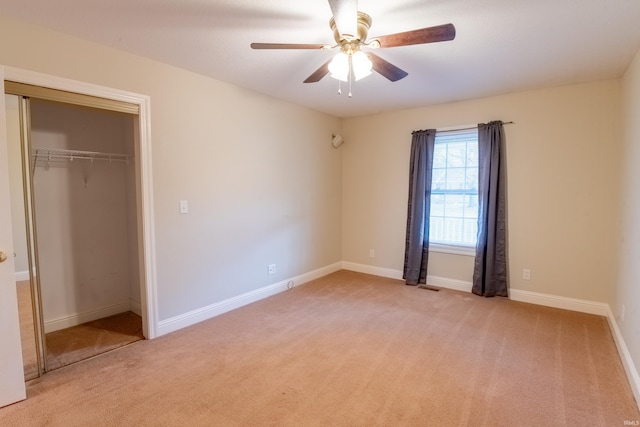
350,29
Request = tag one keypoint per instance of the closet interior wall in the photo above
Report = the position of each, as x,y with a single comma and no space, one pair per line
85,215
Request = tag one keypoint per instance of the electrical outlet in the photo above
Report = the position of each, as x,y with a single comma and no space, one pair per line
526,274
272,269
372,253
184,206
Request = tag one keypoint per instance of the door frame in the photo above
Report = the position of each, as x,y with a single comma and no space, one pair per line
144,181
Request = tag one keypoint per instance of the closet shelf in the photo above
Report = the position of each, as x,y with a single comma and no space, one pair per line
71,155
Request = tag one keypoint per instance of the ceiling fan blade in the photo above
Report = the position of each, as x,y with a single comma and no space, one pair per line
438,33
386,68
286,46
319,73
345,15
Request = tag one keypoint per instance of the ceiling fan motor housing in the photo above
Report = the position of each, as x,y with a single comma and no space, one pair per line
364,23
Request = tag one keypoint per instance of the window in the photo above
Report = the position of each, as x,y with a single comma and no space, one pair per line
454,189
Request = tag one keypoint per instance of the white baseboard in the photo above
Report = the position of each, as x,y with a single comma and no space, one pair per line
370,269
87,316
625,356
573,304
22,275
195,316
443,282
135,307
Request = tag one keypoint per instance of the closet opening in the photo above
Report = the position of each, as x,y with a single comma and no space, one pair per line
77,224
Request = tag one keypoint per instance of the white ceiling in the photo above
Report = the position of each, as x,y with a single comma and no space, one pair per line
501,46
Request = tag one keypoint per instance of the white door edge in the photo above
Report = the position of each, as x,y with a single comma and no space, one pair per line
11,367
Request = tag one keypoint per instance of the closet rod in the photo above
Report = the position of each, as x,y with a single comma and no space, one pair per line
71,155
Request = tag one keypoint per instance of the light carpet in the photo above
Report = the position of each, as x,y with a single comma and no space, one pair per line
351,349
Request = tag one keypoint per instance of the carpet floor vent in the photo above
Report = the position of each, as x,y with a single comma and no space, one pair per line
429,288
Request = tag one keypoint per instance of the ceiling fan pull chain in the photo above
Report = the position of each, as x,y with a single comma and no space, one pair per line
339,90
350,73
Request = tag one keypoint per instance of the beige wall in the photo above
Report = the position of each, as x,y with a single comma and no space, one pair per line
262,180
562,160
627,293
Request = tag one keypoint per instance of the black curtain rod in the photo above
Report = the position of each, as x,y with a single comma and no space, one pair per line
469,128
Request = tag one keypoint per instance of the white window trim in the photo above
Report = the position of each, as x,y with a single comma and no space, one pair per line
452,249
455,248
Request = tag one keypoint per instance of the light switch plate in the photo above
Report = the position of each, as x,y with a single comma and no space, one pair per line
184,207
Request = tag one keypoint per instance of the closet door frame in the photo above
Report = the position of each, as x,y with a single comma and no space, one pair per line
12,387
144,177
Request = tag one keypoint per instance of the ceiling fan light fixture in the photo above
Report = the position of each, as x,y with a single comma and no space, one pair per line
361,65
344,63
339,67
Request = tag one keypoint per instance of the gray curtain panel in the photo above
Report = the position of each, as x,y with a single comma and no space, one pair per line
416,254
490,276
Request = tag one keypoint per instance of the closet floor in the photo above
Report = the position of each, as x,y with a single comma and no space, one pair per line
81,342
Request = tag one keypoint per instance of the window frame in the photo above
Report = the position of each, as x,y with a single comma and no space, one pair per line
447,247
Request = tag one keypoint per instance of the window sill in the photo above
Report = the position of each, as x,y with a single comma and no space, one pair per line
452,249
